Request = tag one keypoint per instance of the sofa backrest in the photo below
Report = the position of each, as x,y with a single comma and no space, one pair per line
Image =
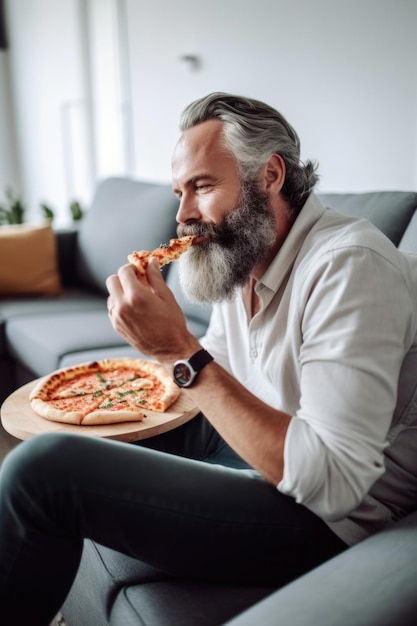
125,215
390,211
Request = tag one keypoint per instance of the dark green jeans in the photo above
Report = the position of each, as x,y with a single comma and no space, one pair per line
175,507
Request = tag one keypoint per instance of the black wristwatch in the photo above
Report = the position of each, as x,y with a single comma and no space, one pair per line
185,372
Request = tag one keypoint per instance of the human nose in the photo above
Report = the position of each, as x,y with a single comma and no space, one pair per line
188,210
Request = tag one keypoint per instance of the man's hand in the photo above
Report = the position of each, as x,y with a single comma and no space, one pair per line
143,311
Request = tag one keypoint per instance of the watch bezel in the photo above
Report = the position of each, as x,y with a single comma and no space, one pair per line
193,365
182,363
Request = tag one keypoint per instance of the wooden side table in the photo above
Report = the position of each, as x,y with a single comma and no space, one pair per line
22,422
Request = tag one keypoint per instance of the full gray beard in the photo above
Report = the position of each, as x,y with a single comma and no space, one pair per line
213,271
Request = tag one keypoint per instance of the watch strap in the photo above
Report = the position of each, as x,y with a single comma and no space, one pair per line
200,359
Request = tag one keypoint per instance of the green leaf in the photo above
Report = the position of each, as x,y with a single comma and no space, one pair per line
76,211
13,212
48,213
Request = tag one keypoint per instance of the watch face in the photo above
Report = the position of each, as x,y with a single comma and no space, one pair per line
182,373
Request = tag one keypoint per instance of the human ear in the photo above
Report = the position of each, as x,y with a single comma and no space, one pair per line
273,175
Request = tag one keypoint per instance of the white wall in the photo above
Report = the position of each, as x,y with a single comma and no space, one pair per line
343,73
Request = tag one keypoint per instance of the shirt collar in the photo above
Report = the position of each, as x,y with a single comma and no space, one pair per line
284,259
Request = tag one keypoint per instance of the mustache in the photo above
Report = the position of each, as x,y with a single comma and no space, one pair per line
210,232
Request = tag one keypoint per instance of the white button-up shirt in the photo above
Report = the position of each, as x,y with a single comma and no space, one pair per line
334,345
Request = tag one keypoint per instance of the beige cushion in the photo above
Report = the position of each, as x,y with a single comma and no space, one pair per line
28,260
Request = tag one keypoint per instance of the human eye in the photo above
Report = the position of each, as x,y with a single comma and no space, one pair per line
203,186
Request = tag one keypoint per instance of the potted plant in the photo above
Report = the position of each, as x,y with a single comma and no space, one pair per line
13,211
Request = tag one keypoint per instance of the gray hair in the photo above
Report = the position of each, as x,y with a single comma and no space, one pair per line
253,131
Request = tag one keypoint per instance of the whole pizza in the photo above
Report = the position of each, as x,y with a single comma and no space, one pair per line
104,392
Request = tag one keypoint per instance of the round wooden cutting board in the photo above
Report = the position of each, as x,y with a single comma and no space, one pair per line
22,422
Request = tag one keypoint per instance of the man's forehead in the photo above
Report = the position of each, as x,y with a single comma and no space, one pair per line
203,137
199,146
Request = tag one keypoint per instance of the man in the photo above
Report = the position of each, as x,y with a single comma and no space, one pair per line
306,373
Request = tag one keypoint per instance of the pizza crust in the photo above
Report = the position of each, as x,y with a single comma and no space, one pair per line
82,394
101,416
49,412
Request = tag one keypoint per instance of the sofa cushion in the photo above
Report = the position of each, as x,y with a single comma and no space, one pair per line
28,260
125,215
41,341
372,583
182,603
128,592
72,299
390,211
102,574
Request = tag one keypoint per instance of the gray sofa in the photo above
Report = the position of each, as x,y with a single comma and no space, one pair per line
372,584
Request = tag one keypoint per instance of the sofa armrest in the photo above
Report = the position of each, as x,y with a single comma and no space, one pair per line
372,583
66,250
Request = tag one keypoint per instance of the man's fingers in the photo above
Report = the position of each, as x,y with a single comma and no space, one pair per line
155,279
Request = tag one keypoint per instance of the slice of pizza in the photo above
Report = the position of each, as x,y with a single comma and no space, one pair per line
113,408
165,253
142,384
70,410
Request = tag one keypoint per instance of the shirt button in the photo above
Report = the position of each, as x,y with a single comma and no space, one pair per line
253,353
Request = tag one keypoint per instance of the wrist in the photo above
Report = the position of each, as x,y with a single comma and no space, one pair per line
181,350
